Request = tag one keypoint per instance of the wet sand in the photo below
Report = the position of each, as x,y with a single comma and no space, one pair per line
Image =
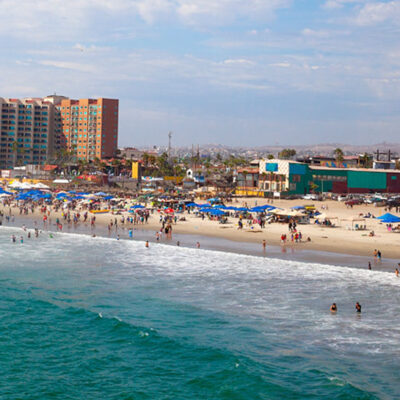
294,252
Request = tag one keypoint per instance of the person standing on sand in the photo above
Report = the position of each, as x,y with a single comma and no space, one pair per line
379,254
264,244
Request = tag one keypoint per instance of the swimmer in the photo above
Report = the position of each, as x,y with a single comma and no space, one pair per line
358,307
22,239
178,243
264,244
117,237
333,307
147,244
397,272
198,245
369,265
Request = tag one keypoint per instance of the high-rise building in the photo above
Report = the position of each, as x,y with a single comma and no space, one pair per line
89,127
26,131
37,130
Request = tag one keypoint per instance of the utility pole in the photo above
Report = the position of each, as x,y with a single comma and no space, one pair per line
169,145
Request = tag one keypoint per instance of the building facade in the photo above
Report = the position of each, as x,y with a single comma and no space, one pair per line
26,131
294,178
36,130
280,176
89,127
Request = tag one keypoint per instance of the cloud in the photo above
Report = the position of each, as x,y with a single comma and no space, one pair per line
337,4
281,65
75,66
378,12
194,11
60,19
238,61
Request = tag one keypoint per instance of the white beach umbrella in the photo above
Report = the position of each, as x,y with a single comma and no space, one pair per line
15,185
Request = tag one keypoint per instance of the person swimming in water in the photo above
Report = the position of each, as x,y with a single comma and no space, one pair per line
333,307
147,244
358,307
396,272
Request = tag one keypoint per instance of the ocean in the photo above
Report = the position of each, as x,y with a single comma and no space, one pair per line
98,318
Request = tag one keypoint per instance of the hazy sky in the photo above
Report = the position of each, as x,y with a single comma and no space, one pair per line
215,71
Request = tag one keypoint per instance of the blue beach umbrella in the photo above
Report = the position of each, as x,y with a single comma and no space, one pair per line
138,206
216,212
388,218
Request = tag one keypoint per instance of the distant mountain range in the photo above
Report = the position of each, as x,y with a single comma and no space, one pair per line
323,149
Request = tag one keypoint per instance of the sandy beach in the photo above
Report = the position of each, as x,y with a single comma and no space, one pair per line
337,239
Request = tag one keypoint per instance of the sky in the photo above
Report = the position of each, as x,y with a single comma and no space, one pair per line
233,72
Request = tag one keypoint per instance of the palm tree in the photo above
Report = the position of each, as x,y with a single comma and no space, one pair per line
339,155
15,151
117,166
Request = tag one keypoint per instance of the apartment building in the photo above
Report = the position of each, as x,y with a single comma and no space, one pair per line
89,127
26,131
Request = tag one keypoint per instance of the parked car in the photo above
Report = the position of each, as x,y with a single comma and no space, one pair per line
353,202
310,197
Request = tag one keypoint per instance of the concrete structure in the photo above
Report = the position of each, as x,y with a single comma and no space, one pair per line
89,127
26,131
132,153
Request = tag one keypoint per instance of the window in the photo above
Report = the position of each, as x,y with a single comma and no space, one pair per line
296,178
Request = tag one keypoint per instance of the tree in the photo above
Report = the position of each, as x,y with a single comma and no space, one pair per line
164,166
15,151
145,159
338,154
270,157
116,165
313,186
367,160
287,154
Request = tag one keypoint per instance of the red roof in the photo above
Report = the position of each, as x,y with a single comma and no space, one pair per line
49,167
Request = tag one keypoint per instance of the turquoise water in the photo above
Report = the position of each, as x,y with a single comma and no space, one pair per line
96,318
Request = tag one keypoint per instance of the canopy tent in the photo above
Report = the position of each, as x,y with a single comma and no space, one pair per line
40,185
353,220
212,211
298,208
388,218
217,212
20,185
263,208
61,181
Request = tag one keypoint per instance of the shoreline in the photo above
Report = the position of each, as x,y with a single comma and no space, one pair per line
145,232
